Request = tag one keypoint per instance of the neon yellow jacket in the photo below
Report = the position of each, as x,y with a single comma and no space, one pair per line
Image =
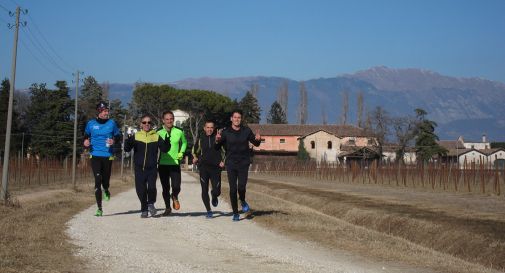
178,144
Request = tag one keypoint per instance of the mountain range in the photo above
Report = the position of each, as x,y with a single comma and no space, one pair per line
469,107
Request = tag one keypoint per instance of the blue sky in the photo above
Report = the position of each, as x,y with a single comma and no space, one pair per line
164,41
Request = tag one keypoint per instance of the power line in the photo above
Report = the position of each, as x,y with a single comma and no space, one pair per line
37,59
43,52
15,3
48,44
6,9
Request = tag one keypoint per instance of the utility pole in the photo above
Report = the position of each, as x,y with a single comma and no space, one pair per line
5,170
74,152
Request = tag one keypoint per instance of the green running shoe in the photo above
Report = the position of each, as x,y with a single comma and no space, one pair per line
98,212
106,195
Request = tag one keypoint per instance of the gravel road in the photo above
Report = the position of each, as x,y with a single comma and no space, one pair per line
186,241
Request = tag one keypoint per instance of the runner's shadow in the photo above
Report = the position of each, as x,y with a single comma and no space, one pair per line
256,213
199,214
123,213
131,212
222,214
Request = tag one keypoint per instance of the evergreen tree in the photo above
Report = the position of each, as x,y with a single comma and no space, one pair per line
276,114
91,95
4,107
117,112
302,152
426,139
249,106
50,123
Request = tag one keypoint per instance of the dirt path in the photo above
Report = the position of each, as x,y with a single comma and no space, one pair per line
188,242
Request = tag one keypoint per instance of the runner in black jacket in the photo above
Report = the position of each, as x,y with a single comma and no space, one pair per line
146,143
210,163
236,140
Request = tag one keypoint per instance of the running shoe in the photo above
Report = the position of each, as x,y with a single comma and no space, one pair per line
215,201
176,203
98,212
152,209
245,206
209,215
167,211
236,217
143,214
106,195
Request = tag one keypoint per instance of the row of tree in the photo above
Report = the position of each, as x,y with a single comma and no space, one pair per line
405,131
44,118
201,105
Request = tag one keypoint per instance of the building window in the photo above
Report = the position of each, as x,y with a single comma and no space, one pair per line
178,123
473,146
329,145
282,140
312,144
262,141
370,142
351,142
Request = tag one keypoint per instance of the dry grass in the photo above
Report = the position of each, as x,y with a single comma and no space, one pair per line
33,230
379,229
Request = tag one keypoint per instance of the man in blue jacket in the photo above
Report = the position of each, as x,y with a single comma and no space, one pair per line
100,134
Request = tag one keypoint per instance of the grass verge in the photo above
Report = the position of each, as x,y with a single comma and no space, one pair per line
32,229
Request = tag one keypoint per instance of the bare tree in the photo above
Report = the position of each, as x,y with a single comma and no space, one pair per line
380,124
302,107
405,132
345,107
106,90
254,90
324,115
282,96
360,109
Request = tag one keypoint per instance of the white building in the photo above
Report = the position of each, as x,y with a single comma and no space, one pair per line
389,154
471,156
179,117
484,144
496,157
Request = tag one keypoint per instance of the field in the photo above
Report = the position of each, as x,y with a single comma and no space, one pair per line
437,219
433,229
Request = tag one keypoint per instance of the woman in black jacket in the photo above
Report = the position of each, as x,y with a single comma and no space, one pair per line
145,144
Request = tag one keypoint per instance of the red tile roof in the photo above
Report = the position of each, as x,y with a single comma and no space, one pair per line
307,129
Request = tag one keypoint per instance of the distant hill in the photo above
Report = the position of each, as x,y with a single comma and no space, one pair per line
461,106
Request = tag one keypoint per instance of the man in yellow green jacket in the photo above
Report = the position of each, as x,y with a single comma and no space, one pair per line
169,165
146,144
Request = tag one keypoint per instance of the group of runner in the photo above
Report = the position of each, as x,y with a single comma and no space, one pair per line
161,152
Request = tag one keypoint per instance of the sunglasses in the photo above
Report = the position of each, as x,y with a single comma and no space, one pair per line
146,122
